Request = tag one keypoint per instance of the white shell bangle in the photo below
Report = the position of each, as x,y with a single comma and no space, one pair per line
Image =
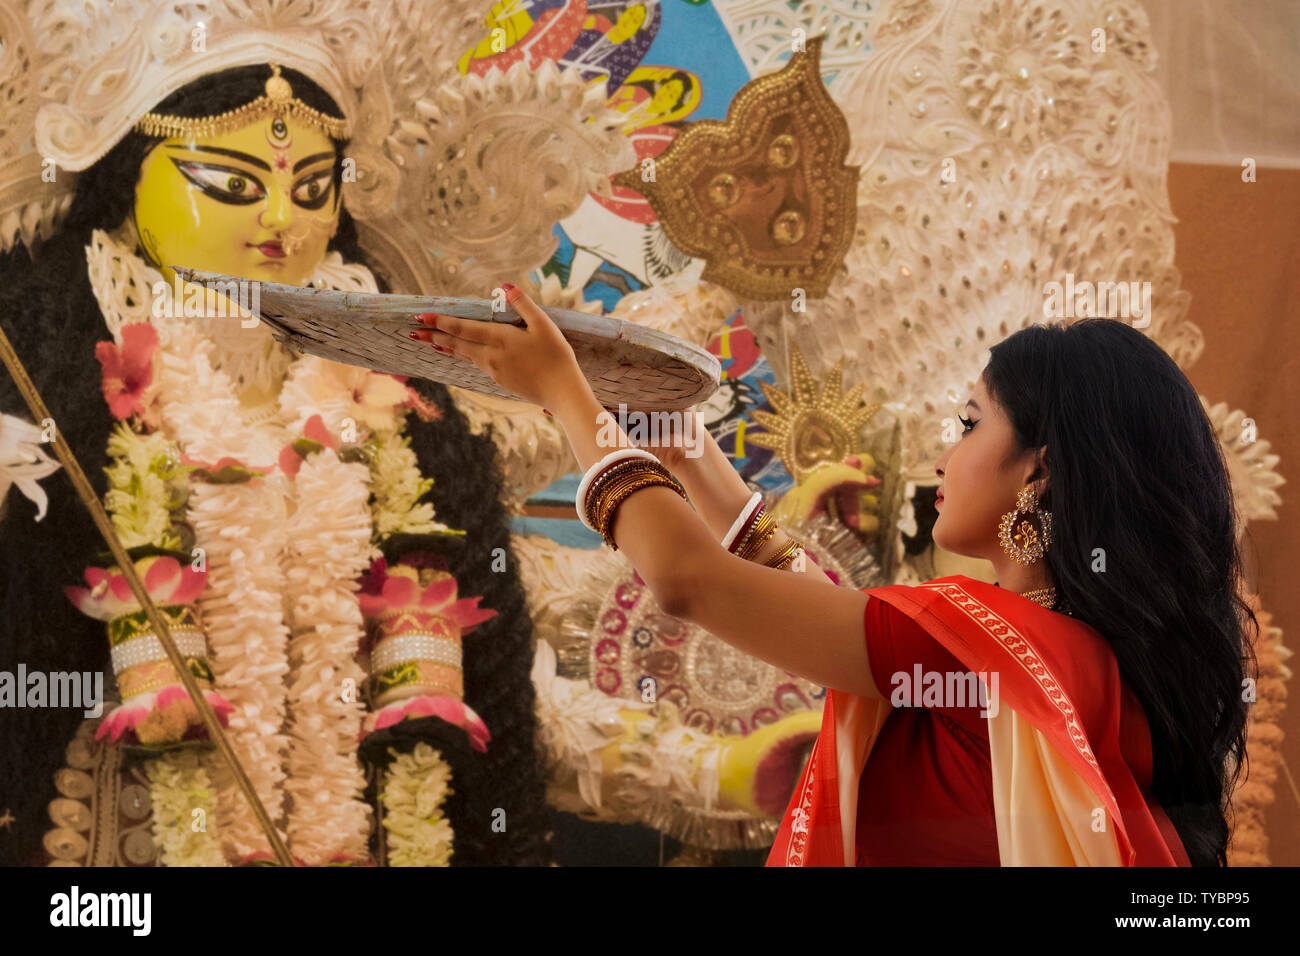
755,501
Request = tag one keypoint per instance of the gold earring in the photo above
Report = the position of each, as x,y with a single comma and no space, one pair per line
1023,543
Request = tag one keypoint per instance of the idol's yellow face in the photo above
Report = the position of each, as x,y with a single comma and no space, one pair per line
258,202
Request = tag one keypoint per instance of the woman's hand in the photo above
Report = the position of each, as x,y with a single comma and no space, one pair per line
536,363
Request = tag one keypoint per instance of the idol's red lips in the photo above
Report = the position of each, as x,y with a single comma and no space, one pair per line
273,249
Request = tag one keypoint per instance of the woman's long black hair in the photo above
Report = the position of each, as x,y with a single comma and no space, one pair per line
50,313
1136,479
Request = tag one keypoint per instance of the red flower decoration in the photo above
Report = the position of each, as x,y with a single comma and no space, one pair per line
315,438
128,368
372,581
425,411
224,471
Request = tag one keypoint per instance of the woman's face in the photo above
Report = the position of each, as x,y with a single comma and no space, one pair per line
258,203
980,476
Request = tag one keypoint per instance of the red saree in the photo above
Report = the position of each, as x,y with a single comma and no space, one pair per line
1071,787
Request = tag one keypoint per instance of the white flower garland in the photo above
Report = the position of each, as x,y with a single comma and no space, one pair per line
241,529
415,787
183,810
329,548
249,540
397,484
140,488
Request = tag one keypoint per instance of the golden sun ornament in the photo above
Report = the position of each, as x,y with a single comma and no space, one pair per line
812,424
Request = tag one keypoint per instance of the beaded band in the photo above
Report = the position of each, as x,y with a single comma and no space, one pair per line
147,648
415,647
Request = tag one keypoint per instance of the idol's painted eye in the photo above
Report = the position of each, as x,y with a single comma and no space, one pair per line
223,183
312,191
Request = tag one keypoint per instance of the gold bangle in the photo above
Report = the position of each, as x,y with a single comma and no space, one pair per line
600,487
633,471
787,552
619,491
601,494
620,496
614,494
762,532
609,478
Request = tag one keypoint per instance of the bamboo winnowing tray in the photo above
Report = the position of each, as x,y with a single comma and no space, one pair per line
644,369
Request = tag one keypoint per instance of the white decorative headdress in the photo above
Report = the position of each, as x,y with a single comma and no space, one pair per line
442,161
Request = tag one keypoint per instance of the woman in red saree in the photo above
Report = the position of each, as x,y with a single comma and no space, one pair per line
1085,710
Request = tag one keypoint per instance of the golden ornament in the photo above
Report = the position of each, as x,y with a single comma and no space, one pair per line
812,423
763,197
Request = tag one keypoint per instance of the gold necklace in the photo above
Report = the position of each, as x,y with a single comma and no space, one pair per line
1046,597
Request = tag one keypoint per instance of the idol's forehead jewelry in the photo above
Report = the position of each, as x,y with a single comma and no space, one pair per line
278,100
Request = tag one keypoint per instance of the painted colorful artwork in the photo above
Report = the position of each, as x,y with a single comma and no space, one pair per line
666,64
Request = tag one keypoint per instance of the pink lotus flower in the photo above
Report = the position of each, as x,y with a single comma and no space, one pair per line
128,369
453,711
165,581
166,715
399,588
432,605
161,717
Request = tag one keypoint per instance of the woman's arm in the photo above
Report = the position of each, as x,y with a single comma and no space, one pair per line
801,623
716,490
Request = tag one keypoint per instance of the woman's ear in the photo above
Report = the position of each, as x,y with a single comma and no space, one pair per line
1040,473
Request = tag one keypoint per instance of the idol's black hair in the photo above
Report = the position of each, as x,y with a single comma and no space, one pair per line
1136,478
50,313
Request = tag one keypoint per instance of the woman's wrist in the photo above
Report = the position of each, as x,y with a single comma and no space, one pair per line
583,419
714,488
